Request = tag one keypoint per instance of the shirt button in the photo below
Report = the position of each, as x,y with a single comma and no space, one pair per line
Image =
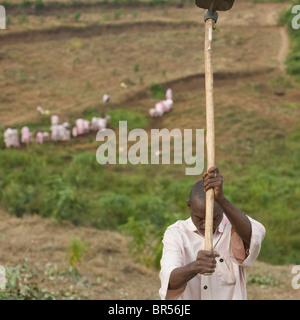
205,287
221,260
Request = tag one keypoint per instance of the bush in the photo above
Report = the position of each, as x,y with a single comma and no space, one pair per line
11,159
157,91
84,171
18,198
134,119
114,210
38,5
150,208
293,63
63,202
76,15
75,251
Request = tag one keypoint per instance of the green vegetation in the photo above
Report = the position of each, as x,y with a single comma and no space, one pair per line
134,119
263,280
25,281
266,188
157,91
38,5
293,59
75,252
76,15
56,181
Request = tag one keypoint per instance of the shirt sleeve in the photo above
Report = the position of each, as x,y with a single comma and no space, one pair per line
243,257
172,258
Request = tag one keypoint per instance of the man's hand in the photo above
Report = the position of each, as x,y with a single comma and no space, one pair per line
213,179
240,222
206,261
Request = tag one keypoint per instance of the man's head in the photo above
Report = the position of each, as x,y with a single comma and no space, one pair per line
196,204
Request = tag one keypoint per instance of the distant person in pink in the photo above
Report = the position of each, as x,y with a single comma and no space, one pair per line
40,137
163,106
106,98
26,135
11,138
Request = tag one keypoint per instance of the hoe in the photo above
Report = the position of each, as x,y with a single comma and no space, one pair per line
210,18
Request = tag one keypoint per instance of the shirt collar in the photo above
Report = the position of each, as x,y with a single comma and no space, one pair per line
192,227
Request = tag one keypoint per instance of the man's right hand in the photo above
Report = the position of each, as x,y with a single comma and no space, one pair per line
206,261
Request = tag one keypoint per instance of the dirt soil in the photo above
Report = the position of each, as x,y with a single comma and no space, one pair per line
108,270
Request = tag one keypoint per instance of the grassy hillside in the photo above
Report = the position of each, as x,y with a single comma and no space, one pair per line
68,70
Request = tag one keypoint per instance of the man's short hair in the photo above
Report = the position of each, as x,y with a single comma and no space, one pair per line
197,191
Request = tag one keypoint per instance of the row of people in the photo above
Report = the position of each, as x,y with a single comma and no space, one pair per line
58,132
61,132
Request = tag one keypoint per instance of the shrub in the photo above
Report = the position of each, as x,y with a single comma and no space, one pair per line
19,198
38,5
134,119
118,13
76,15
11,159
157,91
84,171
75,251
63,201
150,208
114,210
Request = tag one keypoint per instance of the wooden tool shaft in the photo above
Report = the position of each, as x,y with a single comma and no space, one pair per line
210,131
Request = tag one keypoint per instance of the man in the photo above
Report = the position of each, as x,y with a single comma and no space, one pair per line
236,244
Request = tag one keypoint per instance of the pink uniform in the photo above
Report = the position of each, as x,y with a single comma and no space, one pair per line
11,138
40,137
159,108
169,94
182,241
74,132
106,98
26,135
80,126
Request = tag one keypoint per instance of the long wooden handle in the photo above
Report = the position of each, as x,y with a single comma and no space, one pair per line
210,131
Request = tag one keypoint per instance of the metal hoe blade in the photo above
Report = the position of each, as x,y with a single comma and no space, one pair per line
214,5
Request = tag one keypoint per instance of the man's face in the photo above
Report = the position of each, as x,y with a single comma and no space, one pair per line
197,209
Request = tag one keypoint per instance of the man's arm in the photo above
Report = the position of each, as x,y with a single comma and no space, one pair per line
205,263
239,221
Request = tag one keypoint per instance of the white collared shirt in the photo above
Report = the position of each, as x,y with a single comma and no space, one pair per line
182,241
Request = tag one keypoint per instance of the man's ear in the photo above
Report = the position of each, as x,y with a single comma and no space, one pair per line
188,203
